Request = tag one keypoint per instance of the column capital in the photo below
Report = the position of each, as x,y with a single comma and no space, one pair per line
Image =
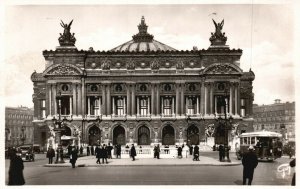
236,84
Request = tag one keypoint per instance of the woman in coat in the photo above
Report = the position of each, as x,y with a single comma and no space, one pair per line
196,153
103,154
98,154
15,173
179,150
249,162
73,157
50,154
132,152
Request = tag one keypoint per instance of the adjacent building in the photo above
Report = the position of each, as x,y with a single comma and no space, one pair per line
142,92
278,117
18,126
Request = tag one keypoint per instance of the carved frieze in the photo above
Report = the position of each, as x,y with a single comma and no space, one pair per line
105,64
130,65
154,64
63,70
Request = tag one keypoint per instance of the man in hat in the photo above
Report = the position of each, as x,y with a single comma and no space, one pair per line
249,162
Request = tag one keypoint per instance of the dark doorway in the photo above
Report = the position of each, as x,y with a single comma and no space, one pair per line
220,135
94,135
168,135
193,135
143,136
66,131
119,135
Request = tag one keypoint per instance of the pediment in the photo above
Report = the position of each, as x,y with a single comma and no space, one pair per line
222,68
63,69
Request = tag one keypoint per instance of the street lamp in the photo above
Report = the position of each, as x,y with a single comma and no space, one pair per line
23,137
224,125
58,129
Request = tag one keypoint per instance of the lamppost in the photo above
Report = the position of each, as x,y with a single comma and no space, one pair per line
23,137
224,125
58,129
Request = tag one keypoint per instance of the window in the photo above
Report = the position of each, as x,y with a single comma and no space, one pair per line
167,106
95,103
120,106
191,104
144,106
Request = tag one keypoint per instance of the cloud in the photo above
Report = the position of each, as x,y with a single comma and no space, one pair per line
274,72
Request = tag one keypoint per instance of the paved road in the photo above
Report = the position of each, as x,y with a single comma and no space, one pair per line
36,174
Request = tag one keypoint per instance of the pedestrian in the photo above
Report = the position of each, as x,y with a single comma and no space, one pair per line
127,149
167,149
293,164
50,154
132,152
98,154
179,151
92,150
118,151
249,162
15,172
69,150
109,149
81,150
141,151
156,151
196,153
221,152
73,157
115,151
103,153
191,149
87,150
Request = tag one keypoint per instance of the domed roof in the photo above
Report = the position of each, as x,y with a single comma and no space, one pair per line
143,41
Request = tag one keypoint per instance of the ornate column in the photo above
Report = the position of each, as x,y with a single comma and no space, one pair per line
177,99
205,98
197,105
158,105
173,105
89,105
71,104
202,98
148,105
138,105
74,99
216,108
128,99
54,99
83,97
99,105
108,107
79,102
113,106
124,106
231,99
133,105
104,99
152,99
49,99
182,99
236,98
211,98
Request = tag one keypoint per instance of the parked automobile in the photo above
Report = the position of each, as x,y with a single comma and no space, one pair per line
37,149
26,152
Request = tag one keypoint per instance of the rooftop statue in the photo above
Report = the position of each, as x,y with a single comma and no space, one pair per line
218,38
66,39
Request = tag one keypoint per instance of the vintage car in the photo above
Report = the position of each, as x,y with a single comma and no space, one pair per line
26,152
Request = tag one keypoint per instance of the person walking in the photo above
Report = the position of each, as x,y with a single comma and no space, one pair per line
109,149
249,162
87,150
221,151
15,172
191,149
98,154
179,151
92,150
103,154
73,157
293,164
196,153
118,151
50,154
132,152
81,150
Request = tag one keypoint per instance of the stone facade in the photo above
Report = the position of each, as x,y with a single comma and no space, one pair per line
18,126
151,93
278,117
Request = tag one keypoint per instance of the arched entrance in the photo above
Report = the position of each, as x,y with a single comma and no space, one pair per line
66,131
94,135
168,135
119,135
143,136
193,135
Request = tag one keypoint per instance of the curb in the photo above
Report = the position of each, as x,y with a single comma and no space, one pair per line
130,165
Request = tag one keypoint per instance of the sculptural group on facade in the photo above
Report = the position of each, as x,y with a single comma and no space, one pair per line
218,38
66,39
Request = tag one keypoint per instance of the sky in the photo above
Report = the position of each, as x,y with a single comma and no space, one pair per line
265,33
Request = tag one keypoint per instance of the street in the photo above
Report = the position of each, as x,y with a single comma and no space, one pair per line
265,174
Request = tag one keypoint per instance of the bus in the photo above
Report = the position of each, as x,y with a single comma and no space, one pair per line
268,145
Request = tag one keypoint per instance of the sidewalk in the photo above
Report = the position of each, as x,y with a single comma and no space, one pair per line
90,161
